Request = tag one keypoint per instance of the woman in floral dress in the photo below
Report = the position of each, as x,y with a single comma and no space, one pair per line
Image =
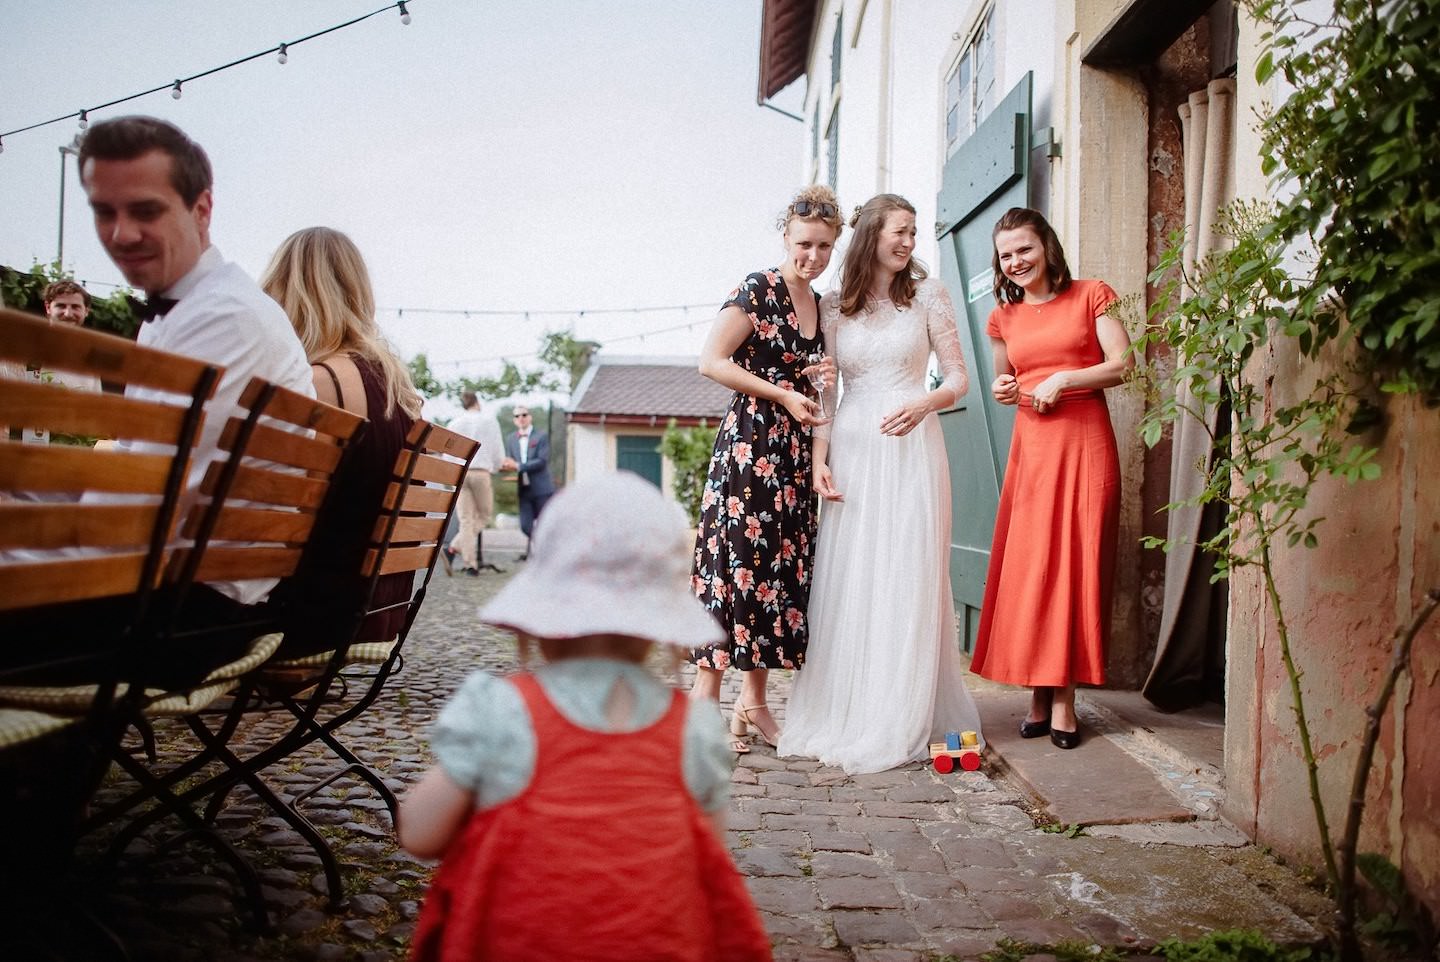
757,516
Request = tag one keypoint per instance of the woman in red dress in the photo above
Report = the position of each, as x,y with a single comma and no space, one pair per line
1045,619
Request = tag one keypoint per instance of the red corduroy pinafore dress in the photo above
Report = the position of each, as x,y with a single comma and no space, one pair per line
604,856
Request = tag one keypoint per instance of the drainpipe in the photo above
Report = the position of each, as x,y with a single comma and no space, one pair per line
883,139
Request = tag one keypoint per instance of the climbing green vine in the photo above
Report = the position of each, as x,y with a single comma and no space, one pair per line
1357,142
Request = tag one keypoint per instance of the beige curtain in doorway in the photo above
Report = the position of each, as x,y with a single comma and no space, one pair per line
1186,622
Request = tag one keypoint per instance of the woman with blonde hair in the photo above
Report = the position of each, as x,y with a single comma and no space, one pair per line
757,515
884,678
319,278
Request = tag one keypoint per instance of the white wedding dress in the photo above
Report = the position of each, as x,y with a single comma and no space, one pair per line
882,676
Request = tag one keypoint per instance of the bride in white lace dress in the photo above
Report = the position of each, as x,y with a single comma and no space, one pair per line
883,677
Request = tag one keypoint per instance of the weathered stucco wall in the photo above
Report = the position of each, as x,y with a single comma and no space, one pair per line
1379,552
1099,203
1343,602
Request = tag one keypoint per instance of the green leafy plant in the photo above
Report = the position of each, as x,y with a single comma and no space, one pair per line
1059,828
689,451
23,291
563,361
1072,950
1357,141
1235,945
1277,445
1215,320
423,378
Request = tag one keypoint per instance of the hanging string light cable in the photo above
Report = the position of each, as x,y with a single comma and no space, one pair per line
471,362
175,86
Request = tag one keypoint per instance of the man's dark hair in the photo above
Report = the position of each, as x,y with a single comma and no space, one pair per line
126,138
61,288
468,400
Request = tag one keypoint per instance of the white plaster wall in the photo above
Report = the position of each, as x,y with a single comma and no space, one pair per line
892,113
591,452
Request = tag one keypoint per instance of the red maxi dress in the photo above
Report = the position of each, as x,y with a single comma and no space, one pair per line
604,856
1045,620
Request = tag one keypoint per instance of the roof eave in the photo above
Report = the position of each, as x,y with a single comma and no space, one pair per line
785,28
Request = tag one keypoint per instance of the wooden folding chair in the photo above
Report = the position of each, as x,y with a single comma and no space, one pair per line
56,549
259,506
78,575
406,538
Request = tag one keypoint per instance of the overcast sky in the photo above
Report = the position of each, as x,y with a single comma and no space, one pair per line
516,155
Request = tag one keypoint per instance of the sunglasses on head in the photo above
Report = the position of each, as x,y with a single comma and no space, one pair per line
804,208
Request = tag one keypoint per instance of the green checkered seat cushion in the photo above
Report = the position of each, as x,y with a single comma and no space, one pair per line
63,700
367,653
77,699
21,725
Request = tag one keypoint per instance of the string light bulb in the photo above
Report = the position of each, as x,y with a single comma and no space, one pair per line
404,14
283,55
175,90
84,119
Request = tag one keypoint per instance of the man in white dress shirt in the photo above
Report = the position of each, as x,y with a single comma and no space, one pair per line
477,498
149,187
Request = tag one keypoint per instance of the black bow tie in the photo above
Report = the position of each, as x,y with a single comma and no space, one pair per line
152,307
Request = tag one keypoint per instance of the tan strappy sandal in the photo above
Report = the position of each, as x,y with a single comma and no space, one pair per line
742,720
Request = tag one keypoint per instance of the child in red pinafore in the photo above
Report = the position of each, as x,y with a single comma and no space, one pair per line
579,809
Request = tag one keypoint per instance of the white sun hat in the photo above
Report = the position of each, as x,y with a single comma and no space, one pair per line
610,555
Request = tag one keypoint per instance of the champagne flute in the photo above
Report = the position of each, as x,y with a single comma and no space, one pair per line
818,381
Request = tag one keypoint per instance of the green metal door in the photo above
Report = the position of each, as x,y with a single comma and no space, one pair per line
639,453
986,176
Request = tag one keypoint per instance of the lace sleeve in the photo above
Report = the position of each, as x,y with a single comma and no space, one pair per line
829,321
945,342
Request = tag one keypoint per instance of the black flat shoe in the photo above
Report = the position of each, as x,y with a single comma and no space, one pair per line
1064,739
1029,729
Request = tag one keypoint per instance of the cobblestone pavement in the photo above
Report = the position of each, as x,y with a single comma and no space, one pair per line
893,867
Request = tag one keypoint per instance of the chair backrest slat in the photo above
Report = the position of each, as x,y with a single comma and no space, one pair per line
57,467
399,559
299,410
88,414
415,498
74,579
24,339
253,483
434,469
444,441
409,529
240,564
273,444
239,523
45,526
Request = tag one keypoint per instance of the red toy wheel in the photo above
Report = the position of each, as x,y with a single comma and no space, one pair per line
970,761
944,764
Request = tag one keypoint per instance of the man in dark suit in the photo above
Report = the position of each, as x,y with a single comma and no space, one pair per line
528,452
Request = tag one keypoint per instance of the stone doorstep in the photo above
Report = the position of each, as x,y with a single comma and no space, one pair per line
1098,783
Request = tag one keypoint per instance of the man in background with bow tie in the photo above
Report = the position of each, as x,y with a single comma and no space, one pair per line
149,186
528,451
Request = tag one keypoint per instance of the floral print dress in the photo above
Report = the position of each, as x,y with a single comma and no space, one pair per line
757,516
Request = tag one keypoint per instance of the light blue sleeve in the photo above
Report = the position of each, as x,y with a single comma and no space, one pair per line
707,759
484,740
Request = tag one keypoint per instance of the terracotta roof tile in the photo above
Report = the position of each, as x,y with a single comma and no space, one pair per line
662,390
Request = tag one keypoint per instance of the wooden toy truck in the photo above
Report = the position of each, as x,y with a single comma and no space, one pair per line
958,748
